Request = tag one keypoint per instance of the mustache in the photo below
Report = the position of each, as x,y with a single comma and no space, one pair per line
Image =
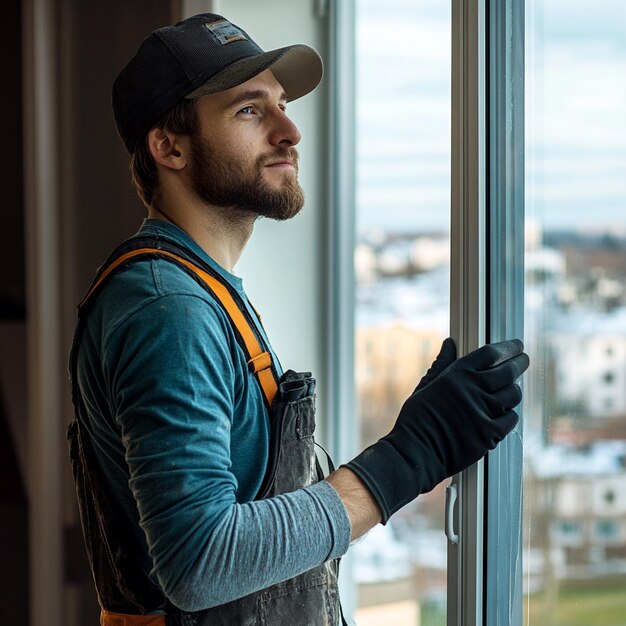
290,153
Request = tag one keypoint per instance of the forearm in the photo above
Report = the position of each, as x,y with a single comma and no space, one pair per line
260,543
253,546
362,508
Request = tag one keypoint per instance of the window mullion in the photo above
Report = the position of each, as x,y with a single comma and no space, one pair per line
340,409
468,287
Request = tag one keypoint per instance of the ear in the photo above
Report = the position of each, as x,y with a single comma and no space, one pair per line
167,148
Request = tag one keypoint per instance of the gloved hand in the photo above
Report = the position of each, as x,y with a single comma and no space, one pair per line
459,410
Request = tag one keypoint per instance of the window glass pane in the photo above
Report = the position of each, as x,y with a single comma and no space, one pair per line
575,314
402,279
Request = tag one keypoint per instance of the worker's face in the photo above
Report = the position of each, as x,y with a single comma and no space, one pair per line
243,155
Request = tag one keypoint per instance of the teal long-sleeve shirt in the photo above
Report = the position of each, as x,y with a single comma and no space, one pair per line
180,430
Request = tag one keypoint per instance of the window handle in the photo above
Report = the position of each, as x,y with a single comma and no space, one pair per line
451,497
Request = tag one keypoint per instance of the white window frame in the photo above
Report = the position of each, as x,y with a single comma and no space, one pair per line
468,290
341,392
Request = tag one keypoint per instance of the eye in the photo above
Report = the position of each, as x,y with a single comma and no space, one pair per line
249,110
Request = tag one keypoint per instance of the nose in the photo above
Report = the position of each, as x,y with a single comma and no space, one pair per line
284,132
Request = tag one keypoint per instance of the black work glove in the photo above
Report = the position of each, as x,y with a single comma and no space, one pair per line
459,410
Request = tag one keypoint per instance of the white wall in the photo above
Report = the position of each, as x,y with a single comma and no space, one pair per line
584,360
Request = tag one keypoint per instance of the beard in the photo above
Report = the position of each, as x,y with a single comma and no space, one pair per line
228,182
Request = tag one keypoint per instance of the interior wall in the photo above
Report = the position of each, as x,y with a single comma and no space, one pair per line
13,463
12,285
102,205
12,290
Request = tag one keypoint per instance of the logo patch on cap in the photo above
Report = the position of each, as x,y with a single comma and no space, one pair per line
225,32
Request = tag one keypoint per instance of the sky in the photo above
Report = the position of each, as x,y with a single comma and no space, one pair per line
575,114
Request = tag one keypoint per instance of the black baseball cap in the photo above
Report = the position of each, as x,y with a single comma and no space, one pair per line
201,55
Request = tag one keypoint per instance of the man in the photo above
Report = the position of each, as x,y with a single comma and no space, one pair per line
201,498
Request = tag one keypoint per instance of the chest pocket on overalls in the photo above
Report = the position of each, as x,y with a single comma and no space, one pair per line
292,462
312,597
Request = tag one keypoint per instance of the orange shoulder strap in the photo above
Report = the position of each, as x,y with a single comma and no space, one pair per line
259,360
108,618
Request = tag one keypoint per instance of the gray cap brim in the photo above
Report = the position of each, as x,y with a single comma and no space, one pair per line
299,69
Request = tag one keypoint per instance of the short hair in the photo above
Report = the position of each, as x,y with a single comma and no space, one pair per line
181,119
